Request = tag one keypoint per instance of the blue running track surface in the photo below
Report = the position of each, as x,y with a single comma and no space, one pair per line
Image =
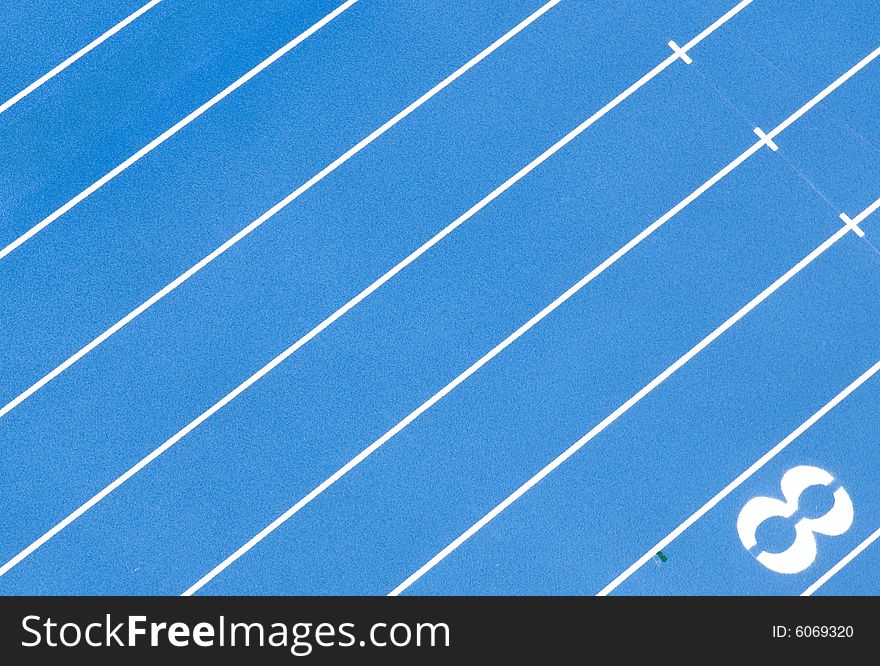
627,298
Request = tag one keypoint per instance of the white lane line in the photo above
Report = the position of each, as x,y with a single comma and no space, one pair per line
171,131
76,56
758,464
363,455
738,481
851,72
717,23
620,411
562,298
302,189
833,571
326,323
366,292
865,214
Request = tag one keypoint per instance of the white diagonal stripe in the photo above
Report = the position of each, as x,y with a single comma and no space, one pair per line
171,131
52,73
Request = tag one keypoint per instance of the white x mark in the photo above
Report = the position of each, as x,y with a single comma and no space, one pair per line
852,224
766,139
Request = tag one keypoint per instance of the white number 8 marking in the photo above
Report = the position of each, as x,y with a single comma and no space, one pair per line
802,553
